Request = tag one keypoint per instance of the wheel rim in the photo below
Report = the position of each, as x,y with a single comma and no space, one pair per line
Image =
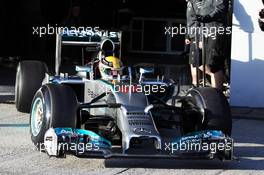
37,116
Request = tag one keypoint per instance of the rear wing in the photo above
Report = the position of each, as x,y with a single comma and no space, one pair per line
90,39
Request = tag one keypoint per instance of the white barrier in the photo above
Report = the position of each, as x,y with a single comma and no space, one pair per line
247,64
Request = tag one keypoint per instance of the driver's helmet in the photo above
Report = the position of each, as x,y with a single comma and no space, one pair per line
110,68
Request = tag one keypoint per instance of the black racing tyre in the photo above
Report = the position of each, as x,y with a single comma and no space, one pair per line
207,109
53,106
29,77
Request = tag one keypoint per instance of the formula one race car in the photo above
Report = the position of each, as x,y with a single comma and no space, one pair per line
110,110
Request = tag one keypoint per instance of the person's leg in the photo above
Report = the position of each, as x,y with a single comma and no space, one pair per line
193,72
215,62
192,63
217,78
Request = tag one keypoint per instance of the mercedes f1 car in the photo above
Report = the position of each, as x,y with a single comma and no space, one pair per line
111,110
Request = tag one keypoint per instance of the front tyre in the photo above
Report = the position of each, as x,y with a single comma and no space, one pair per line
53,106
207,109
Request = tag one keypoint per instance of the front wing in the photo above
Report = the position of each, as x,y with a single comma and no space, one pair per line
83,143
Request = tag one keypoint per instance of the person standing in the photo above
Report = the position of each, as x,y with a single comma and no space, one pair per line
212,17
190,38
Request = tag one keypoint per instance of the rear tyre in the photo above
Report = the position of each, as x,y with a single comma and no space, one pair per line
53,106
29,77
207,109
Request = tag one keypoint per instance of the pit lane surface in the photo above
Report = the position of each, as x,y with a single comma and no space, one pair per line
18,155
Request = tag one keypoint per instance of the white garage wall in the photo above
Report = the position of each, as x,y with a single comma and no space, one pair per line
247,65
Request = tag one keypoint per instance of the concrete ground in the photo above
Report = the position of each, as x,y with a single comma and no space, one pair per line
18,155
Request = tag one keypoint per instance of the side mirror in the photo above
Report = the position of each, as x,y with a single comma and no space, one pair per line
145,72
83,69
